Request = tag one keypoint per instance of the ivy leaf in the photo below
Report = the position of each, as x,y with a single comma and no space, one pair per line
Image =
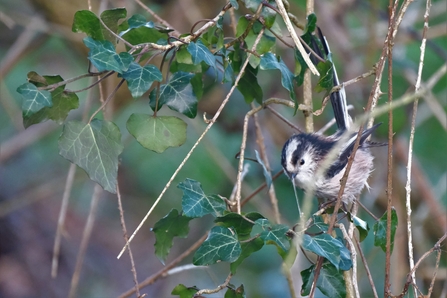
139,79
103,56
199,52
141,31
157,133
267,13
249,86
361,225
324,245
34,99
177,94
247,249
235,293
196,204
330,281
170,226
94,147
87,22
270,61
183,62
63,102
379,229
238,222
300,68
220,246
326,81
184,291
267,175
273,234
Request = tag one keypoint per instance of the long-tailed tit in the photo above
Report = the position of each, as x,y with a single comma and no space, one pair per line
304,153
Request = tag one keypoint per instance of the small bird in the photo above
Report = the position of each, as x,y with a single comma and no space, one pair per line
304,153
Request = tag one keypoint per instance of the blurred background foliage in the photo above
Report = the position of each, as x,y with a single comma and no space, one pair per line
36,35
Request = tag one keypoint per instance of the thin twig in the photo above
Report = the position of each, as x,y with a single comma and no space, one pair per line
158,18
111,95
410,147
123,226
61,219
284,119
351,283
85,239
219,287
365,263
295,38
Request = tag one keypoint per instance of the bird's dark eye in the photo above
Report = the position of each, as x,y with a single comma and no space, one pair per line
301,161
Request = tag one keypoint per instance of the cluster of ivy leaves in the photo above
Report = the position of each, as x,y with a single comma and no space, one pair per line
96,145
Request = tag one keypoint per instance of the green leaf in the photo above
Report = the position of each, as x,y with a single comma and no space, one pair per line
379,229
94,147
361,225
199,52
87,22
300,69
183,62
323,245
247,248
220,246
273,234
326,81
184,292
103,56
270,61
267,175
141,31
170,226
330,281
242,226
157,133
177,94
249,86
196,204
139,79
34,100
267,13
63,101
311,23
235,293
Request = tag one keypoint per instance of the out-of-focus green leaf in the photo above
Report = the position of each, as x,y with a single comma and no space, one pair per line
249,86
139,79
234,4
267,13
311,24
270,61
220,246
94,147
87,22
157,133
326,81
195,203
177,94
103,56
184,291
379,229
170,226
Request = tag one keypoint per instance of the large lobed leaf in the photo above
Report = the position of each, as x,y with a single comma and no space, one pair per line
270,61
330,281
94,147
62,101
157,133
177,94
379,229
195,203
103,56
139,79
220,246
